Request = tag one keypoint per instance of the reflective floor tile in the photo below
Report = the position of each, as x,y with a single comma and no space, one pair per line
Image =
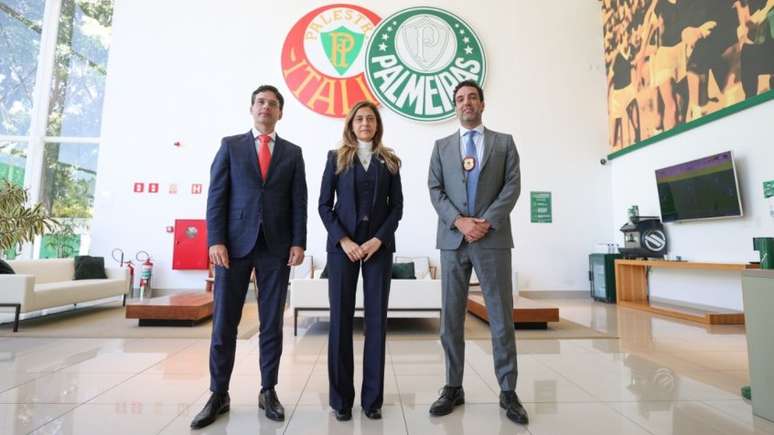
134,419
320,420
241,419
63,388
466,419
23,418
157,389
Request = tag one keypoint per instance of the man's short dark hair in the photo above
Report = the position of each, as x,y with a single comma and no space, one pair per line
269,88
472,84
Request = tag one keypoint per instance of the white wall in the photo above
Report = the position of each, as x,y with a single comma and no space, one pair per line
747,135
184,70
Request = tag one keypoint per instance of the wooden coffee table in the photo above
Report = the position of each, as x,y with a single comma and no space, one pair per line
527,314
184,309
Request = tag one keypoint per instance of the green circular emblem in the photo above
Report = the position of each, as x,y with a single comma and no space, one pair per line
417,56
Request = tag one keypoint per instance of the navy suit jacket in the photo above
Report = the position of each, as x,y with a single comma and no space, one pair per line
341,219
240,201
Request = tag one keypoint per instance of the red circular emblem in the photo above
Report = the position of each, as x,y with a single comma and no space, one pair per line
323,58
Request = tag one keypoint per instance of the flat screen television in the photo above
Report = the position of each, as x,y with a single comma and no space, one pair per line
704,188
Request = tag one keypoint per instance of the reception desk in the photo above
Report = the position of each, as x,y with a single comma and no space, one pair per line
631,280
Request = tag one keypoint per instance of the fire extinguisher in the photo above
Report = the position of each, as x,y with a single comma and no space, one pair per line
146,272
130,267
118,255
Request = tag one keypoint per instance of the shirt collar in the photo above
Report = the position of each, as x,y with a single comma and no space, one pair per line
479,130
364,146
257,133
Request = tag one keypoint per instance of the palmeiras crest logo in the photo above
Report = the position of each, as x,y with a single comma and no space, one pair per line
323,58
416,57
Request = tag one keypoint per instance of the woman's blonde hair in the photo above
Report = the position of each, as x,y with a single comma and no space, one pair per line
345,154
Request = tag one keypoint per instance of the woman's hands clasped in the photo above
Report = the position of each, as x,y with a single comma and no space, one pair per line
357,252
370,247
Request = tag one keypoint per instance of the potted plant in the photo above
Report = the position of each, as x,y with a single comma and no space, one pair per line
18,222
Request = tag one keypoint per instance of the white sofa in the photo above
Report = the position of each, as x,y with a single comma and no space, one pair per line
419,297
42,284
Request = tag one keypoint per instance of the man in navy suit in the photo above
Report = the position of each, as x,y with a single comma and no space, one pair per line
256,219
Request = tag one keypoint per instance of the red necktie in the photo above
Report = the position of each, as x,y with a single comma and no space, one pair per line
264,156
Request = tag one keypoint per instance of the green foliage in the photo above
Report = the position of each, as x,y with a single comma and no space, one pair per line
19,223
67,189
63,242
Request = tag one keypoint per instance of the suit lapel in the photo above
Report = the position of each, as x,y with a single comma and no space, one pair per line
276,156
378,164
488,146
251,153
453,148
348,180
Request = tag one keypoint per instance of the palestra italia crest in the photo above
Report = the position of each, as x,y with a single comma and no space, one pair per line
323,58
417,56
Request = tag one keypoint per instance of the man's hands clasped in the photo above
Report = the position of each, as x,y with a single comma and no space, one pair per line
474,229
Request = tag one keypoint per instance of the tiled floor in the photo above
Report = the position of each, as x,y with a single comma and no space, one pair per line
661,377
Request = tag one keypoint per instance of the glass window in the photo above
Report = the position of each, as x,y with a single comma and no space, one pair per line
80,65
13,161
67,191
21,23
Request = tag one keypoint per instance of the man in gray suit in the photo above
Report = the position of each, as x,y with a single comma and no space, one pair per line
474,183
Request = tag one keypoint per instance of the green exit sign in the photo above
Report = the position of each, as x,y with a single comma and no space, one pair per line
540,207
768,189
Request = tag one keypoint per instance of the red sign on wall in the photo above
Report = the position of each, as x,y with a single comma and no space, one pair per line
139,187
196,189
153,187
323,58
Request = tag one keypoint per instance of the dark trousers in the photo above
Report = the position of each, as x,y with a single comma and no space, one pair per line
231,285
342,282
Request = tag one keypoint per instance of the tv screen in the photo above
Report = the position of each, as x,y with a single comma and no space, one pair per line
700,189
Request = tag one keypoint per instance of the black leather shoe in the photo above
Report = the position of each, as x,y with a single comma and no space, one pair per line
450,397
509,401
268,401
219,403
373,414
343,414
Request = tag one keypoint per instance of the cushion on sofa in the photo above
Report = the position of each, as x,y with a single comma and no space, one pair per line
88,267
421,265
403,271
5,268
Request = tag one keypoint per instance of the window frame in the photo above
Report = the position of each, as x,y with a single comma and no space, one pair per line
37,137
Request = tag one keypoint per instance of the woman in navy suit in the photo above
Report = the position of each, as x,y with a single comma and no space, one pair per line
364,178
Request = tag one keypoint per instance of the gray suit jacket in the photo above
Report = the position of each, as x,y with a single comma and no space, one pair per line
499,185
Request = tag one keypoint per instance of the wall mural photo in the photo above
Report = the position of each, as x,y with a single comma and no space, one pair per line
675,64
